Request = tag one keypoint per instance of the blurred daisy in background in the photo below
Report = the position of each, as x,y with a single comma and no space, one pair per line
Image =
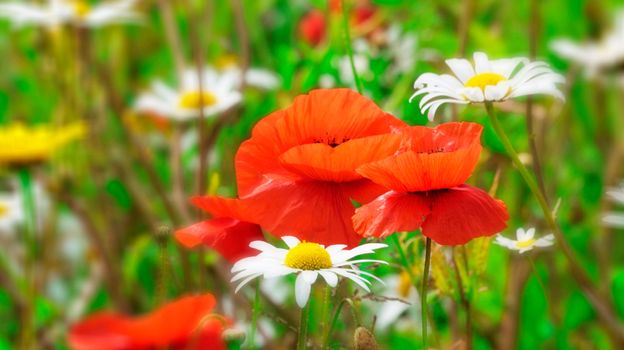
614,219
79,12
595,57
525,240
255,77
11,211
486,81
399,291
219,93
307,260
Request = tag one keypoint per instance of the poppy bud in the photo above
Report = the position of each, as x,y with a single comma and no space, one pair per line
363,339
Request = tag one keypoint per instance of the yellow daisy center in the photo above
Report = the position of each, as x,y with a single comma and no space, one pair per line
196,99
4,209
308,256
81,7
525,244
484,79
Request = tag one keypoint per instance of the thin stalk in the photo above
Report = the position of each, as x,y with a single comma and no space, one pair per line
600,302
303,327
27,336
423,291
347,33
334,320
254,317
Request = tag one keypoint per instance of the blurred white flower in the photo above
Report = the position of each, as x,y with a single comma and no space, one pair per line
219,93
488,80
614,219
595,56
402,48
256,77
80,12
398,287
11,211
345,71
307,260
525,240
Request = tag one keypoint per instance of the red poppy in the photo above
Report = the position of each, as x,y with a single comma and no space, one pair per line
227,232
313,27
426,181
296,174
186,323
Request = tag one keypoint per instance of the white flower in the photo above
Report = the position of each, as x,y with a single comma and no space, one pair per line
256,77
525,241
488,80
398,287
598,56
219,93
403,50
614,219
307,260
80,12
11,211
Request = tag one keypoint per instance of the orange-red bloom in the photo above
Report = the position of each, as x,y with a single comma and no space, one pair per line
184,324
296,174
313,27
228,232
426,181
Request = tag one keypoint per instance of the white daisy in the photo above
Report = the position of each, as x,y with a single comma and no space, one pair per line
597,56
401,292
11,211
256,77
614,219
525,240
80,12
219,93
488,80
307,260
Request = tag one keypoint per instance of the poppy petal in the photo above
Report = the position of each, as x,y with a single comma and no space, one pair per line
315,211
230,237
320,161
327,116
463,213
431,159
391,212
112,331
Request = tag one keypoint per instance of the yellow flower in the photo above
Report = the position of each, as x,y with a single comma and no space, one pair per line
21,144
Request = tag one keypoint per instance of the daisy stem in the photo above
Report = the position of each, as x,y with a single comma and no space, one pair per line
598,300
254,317
303,327
423,292
347,33
334,320
29,228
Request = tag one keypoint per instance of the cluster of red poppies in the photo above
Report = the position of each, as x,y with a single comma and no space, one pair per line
299,174
305,166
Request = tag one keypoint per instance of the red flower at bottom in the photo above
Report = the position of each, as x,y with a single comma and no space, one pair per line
184,324
426,179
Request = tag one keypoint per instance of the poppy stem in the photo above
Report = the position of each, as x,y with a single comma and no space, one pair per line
347,33
254,317
599,301
303,327
423,291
